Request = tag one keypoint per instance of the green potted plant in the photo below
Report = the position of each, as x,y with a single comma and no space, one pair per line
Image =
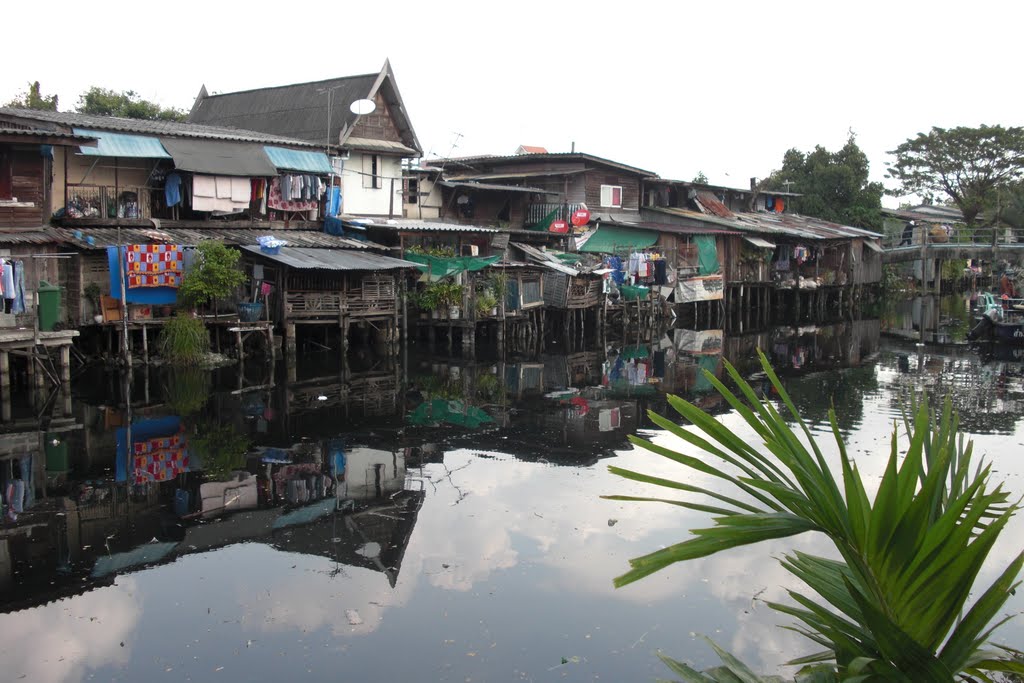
92,292
486,303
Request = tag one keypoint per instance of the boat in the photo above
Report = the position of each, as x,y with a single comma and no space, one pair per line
1001,320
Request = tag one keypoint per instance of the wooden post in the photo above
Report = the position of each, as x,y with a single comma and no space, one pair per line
65,363
145,344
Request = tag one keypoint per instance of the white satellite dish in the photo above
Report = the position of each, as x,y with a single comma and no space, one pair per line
362,107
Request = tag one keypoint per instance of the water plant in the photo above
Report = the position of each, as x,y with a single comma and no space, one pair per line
895,606
184,340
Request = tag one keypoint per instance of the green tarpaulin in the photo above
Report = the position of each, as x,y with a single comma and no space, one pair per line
707,252
634,293
442,411
618,240
438,267
545,223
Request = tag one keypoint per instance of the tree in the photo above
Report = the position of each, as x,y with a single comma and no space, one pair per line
834,186
215,275
700,178
967,165
893,605
34,99
128,104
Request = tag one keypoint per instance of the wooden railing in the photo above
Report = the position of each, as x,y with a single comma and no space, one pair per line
100,201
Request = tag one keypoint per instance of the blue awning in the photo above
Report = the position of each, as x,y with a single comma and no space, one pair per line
121,145
297,160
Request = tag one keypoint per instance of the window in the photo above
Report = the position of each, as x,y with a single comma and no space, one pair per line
371,171
6,186
611,195
412,190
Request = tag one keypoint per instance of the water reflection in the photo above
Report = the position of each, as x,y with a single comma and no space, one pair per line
332,509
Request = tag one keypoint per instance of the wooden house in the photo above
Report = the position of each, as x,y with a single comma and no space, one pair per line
330,289
558,184
366,149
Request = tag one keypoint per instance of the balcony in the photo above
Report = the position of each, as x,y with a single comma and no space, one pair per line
535,213
102,202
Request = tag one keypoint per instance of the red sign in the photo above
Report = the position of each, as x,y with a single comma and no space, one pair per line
580,217
559,226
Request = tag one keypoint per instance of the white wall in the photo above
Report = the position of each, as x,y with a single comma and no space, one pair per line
364,201
360,473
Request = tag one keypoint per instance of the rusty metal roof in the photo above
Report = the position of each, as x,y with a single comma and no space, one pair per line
108,237
783,224
707,202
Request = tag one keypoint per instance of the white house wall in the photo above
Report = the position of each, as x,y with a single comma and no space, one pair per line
360,473
365,201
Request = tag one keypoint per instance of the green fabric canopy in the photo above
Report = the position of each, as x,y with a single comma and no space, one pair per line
441,411
440,266
617,240
707,252
544,223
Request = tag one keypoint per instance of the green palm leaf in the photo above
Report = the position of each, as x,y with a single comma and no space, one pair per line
892,607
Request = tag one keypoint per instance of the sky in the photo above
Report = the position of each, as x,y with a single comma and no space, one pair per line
677,88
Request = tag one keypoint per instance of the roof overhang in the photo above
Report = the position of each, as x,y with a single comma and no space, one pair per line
758,242
216,157
330,259
122,145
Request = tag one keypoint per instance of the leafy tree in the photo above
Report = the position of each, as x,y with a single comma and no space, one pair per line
834,186
967,165
894,606
700,178
215,275
34,99
128,104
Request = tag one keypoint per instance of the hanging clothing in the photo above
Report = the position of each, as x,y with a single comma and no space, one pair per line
661,272
7,279
19,306
154,265
172,190
283,196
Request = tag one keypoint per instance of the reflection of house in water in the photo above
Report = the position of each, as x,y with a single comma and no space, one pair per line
988,396
845,344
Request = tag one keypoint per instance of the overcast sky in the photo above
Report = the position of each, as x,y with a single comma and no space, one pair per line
673,87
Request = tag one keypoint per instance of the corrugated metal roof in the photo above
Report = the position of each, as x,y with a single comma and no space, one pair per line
120,145
147,127
786,224
35,133
495,186
527,174
379,145
217,157
545,259
709,203
758,242
107,237
532,158
331,259
298,160
670,228
27,237
418,225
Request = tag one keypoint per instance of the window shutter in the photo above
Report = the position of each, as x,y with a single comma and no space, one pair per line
617,196
367,169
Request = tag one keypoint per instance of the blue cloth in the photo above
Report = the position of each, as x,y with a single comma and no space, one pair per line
617,274
333,226
143,430
159,296
172,190
333,201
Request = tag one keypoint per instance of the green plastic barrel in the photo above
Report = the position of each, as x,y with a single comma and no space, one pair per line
49,305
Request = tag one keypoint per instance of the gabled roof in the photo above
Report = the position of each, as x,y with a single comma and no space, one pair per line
486,160
67,121
300,110
530,149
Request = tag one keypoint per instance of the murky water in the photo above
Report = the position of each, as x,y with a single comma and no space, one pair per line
437,521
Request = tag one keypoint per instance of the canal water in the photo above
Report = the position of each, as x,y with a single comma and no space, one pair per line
432,518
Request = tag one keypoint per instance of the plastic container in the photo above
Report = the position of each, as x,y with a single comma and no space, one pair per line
49,306
250,312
